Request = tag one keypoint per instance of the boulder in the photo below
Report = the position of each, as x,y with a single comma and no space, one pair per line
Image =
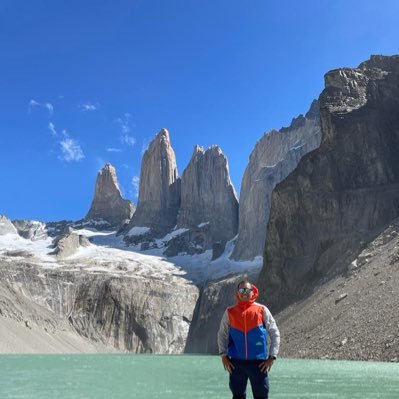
69,243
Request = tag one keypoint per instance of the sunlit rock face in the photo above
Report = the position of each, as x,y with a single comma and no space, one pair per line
6,227
340,195
68,244
108,204
159,191
209,205
126,313
274,157
31,229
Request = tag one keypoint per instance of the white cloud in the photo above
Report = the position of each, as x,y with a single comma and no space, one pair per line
128,140
50,108
71,150
136,185
125,125
33,103
114,150
124,122
51,127
89,106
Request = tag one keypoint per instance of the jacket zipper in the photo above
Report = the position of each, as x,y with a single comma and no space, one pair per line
245,334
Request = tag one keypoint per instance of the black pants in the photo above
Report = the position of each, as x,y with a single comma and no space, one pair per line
244,369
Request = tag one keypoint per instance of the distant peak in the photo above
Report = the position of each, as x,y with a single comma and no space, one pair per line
214,148
197,149
163,133
108,166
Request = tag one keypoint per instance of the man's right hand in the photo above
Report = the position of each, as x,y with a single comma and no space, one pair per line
228,366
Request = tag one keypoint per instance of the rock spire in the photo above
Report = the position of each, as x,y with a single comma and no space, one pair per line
108,203
208,196
159,191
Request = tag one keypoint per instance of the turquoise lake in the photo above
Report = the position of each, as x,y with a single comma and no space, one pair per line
184,376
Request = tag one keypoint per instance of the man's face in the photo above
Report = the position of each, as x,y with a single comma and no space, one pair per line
247,294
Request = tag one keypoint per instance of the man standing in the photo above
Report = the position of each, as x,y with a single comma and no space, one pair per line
242,340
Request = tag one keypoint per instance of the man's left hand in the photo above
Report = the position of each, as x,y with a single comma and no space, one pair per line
266,366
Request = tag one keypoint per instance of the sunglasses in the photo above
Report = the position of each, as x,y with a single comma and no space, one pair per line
244,290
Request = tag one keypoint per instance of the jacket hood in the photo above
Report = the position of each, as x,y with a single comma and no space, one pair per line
246,304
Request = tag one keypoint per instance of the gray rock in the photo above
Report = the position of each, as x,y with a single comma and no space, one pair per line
350,316
135,314
274,157
31,229
6,227
193,241
108,204
208,199
159,191
341,194
69,243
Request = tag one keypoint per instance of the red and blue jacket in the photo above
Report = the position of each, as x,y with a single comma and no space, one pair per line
244,328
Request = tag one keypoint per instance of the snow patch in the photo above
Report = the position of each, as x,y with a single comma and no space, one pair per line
109,254
138,231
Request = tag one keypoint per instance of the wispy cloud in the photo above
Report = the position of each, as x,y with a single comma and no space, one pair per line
71,150
34,104
136,185
128,140
51,127
114,150
125,125
50,108
89,106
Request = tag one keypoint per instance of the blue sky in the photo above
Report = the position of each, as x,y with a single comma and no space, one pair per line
88,82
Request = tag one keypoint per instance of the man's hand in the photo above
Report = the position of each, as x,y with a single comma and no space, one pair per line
266,366
228,366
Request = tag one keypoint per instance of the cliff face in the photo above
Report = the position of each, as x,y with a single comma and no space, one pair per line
124,313
108,203
159,191
207,194
343,193
274,157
